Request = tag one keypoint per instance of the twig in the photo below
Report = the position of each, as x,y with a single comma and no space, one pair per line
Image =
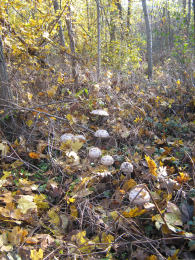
47,114
156,205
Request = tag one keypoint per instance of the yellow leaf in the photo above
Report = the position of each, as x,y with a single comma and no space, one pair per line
108,99
107,239
117,90
16,164
29,123
152,166
76,146
5,175
54,218
60,79
174,256
129,184
114,215
25,203
70,200
52,91
163,20
4,148
152,257
36,255
6,197
17,235
79,238
70,119
73,211
184,177
29,95
132,213
178,82
39,200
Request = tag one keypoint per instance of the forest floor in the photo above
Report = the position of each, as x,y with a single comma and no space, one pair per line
58,201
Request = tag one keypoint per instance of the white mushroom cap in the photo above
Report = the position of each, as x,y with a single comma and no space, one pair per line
126,167
94,153
99,112
101,133
107,160
66,137
139,195
80,138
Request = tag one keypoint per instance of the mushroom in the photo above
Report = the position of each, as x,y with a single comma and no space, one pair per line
139,195
107,160
94,153
81,138
99,112
102,134
126,168
67,137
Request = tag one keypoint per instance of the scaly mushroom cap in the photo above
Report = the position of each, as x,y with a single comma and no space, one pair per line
101,134
66,137
99,112
80,138
94,153
126,167
107,160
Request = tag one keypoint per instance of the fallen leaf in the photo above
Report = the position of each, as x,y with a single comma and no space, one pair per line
36,255
26,203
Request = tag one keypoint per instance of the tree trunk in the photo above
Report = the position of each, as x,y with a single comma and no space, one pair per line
189,15
61,34
184,7
99,41
149,39
5,92
75,74
129,14
194,21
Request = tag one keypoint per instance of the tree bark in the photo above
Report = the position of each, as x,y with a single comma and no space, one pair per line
194,21
128,14
149,39
75,74
189,15
5,92
99,41
61,34
184,7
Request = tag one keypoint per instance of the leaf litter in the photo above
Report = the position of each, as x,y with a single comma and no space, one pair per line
60,200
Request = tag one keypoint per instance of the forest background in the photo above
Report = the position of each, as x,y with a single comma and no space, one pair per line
97,124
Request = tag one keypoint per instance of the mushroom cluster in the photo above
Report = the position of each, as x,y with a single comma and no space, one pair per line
70,137
95,153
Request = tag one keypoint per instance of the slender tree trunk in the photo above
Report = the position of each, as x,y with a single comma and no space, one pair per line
189,15
87,6
194,21
99,41
5,92
128,14
61,34
184,7
75,74
149,39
